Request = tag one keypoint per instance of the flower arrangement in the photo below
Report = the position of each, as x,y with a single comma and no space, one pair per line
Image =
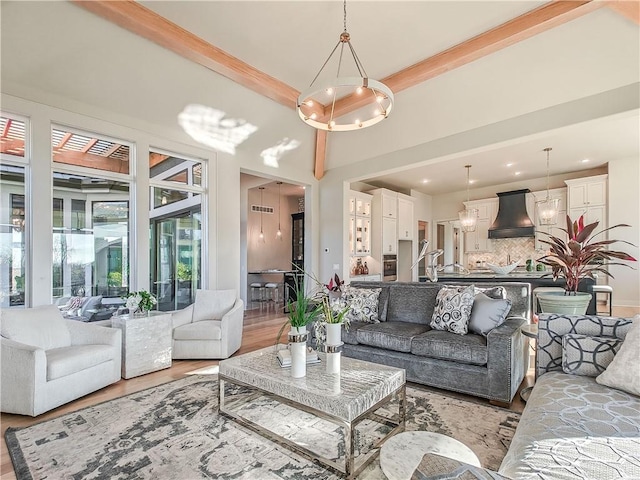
142,300
580,256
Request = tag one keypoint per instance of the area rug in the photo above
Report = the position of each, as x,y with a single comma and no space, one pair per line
173,431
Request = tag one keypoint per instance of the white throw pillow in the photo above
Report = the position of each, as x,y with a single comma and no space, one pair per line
42,327
623,373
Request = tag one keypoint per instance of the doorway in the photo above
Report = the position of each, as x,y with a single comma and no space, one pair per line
176,248
423,234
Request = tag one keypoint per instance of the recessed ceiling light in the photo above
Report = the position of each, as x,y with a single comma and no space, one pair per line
509,164
472,181
426,180
517,173
586,160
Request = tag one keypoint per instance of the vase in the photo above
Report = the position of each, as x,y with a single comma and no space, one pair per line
558,302
298,348
332,347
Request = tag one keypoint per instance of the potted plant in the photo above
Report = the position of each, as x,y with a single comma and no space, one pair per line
142,301
332,316
574,259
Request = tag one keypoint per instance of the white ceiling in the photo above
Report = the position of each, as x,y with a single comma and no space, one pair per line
57,50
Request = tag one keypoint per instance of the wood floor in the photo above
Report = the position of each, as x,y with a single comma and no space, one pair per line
260,330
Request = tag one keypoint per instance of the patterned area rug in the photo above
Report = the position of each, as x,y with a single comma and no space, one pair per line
173,431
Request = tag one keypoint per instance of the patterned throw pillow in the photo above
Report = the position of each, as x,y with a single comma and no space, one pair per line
588,356
362,303
453,309
624,371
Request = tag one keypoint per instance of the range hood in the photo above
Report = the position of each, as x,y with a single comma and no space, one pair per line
512,220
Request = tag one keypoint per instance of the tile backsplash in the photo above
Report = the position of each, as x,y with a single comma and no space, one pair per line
519,249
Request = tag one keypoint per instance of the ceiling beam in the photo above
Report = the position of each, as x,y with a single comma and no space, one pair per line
144,22
321,152
156,159
90,160
628,8
520,28
11,144
7,126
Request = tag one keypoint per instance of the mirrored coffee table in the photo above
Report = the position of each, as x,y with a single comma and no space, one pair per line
364,398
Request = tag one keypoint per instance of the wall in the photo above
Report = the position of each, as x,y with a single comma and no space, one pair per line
624,207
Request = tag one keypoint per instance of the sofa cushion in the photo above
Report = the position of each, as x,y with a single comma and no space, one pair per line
350,336
623,373
585,355
395,336
69,360
470,349
412,303
491,292
488,313
362,304
43,327
453,309
203,330
91,303
212,304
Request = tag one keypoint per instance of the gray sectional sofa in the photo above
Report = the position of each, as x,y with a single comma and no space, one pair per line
572,427
490,367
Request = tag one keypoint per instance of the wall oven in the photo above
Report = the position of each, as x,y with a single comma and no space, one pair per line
389,268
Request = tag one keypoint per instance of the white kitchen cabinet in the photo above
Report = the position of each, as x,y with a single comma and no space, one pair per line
359,224
588,196
405,218
478,240
389,236
389,204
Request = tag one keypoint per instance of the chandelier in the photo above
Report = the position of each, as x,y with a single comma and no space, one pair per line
468,216
548,208
316,105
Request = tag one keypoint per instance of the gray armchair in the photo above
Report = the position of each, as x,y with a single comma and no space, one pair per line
209,328
48,361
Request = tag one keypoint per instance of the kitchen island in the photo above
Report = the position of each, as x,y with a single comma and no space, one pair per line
536,279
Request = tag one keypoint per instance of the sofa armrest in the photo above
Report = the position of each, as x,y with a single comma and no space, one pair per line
87,334
181,317
507,359
434,466
22,369
232,323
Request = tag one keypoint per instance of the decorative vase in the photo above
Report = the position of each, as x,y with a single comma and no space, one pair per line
558,302
298,348
333,346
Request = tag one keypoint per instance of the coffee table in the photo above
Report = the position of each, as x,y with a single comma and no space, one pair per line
346,399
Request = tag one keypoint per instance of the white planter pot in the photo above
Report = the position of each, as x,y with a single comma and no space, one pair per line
333,362
558,302
334,333
298,352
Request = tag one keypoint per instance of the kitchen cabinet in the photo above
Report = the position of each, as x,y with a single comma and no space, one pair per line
389,236
478,240
359,224
389,203
297,239
588,196
405,218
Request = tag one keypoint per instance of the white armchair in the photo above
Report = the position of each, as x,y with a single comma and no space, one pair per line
209,328
48,361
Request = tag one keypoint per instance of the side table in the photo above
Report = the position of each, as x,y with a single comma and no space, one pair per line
146,342
531,331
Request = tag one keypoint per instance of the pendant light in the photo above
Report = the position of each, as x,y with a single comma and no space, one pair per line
468,216
261,208
279,232
548,208
316,105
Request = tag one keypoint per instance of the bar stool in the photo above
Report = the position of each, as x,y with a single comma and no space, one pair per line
271,290
607,290
539,290
259,288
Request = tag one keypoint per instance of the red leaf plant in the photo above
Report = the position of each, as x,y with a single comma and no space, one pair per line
580,256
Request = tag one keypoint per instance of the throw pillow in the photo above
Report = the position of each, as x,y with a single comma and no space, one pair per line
491,292
362,303
623,373
588,356
488,313
453,309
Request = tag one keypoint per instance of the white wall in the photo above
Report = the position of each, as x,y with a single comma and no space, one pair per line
624,207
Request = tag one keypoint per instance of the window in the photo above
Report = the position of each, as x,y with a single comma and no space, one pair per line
13,212
91,212
175,229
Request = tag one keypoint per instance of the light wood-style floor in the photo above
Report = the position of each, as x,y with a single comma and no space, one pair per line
260,330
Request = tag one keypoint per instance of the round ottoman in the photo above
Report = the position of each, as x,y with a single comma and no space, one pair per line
402,453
